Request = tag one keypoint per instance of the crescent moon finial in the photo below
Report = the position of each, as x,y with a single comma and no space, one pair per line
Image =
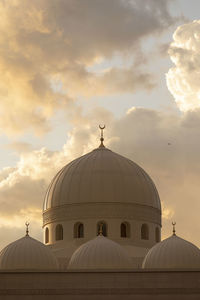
102,138
174,229
27,231
102,127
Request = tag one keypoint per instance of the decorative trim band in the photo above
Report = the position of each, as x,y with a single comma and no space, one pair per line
79,211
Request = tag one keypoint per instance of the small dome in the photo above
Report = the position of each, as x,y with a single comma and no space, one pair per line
27,254
100,253
102,176
172,253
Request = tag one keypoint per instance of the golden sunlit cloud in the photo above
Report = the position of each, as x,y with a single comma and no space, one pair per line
45,53
167,214
183,78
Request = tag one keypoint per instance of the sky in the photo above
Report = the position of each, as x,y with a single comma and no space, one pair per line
68,66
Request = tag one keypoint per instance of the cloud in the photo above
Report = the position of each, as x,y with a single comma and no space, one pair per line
19,147
183,79
22,191
128,80
165,145
47,46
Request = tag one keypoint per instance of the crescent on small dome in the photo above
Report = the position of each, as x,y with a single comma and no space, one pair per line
174,229
102,138
27,230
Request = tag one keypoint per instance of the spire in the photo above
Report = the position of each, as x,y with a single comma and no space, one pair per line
27,231
102,138
174,229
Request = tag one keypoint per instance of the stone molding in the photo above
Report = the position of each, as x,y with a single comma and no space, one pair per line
105,291
80,211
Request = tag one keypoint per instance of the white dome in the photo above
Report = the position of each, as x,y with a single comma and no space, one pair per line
27,254
100,254
172,253
102,176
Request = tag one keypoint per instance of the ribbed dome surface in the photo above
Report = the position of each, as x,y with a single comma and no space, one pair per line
27,254
101,176
172,253
100,254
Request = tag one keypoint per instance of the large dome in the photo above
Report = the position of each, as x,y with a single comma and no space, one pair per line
101,176
102,187
27,254
100,254
173,253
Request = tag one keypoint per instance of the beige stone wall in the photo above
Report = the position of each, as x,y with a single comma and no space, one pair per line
140,285
90,232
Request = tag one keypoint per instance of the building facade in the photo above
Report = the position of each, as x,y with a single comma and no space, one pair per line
102,240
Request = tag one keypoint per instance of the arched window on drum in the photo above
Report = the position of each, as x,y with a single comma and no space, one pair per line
144,232
78,230
102,228
46,235
59,232
125,230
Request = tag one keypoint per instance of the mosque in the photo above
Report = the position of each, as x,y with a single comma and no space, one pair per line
102,239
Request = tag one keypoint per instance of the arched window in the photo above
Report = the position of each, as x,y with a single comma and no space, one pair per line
78,230
144,232
157,235
46,235
125,230
101,225
59,232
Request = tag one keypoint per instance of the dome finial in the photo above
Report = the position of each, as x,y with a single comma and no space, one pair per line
101,229
174,229
102,138
27,231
